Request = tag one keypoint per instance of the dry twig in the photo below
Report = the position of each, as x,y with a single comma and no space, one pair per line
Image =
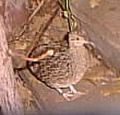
44,55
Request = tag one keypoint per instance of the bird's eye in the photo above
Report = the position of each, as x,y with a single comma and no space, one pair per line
77,38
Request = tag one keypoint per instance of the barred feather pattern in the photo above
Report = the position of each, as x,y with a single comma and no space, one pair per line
66,67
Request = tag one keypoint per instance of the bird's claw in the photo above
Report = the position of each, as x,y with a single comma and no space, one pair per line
69,96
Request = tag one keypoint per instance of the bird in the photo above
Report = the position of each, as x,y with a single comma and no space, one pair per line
65,68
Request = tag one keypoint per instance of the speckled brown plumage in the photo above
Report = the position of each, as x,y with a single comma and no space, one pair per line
65,68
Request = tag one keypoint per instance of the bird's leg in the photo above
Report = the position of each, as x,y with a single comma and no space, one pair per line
75,93
72,89
66,95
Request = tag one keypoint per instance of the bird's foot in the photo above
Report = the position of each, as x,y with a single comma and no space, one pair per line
70,96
